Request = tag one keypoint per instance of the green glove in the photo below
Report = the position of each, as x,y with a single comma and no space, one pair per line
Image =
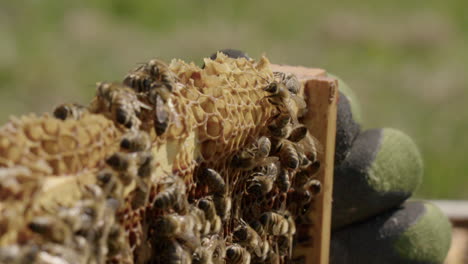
375,172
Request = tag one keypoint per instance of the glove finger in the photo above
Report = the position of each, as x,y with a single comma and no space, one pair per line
382,170
351,97
346,128
231,53
415,233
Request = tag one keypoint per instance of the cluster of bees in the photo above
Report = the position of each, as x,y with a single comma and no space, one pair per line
86,232
244,209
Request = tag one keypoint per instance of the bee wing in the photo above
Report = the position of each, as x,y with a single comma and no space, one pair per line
190,240
140,183
173,112
258,251
161,112
279,76
298,133
291,112
292,83
301,105
272,159
268,160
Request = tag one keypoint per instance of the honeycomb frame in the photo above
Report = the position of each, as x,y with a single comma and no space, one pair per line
63,164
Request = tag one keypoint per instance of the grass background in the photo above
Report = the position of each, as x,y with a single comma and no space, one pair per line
406,60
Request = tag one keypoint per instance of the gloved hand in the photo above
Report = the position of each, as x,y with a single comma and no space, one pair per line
376,171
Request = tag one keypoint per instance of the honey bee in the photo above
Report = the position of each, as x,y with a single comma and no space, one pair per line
172,197
214,180
209,207
281,97
236,254
50,228
290,81
279,126
276,224
282,181
136,141
246,236
139,80
69,111
255,156
288,155
122,102
223,205
260,184
160,70
279,225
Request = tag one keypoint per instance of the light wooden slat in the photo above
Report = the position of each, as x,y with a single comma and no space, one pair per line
456,211
321,95
458,253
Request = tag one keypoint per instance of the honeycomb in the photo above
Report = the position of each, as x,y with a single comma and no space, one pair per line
175,164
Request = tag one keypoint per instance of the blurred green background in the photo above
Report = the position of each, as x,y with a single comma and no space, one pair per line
406,60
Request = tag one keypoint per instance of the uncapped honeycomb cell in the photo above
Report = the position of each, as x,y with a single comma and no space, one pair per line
51,126
213,128
34,132
208,105
221,107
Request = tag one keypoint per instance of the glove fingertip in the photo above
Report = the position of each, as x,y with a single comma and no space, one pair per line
346,129
415,233
382,170
352,98
231,53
